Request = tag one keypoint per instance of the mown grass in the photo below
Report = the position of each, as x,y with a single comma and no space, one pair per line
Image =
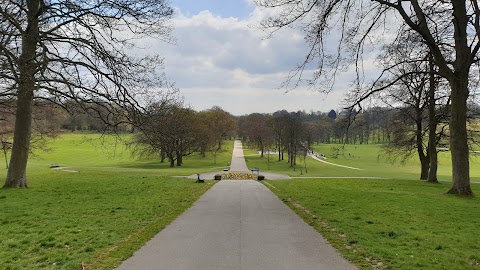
390,224
83,151
95,217
369,158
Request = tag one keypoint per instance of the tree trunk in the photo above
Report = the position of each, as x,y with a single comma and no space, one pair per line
425,165
458,138
279,154
179,159
162,156
424,159
172,161
17,171
459,85
432,127
261,149
305,161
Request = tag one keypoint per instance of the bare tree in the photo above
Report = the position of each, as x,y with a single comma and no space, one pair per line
207,136
258,132
75,50
278,126
222,124
407,62
450,29
167,130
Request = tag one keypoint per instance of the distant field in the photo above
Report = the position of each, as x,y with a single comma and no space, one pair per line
365,157
99,215
90,150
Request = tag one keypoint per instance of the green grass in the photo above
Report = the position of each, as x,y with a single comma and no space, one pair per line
98,216
365,157
370,158
85,151
390,224
114,203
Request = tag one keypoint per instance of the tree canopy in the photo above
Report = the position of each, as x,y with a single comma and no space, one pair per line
58,51
450,30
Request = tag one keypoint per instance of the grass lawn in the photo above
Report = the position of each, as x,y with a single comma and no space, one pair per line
365,157
98,216
80,151
390,224
101,214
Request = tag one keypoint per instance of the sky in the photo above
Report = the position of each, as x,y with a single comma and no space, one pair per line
221,57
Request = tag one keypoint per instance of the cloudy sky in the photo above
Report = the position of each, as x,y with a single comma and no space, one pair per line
221,58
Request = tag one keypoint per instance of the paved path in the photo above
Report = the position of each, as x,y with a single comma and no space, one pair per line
237,224
268,175
238,163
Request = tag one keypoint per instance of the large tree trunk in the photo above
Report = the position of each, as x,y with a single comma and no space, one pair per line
432,126
458,138
17,171
459,84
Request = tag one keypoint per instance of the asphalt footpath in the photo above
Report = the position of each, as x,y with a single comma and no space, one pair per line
238,163
237,224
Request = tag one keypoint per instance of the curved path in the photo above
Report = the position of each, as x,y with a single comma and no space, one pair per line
238,224
333,164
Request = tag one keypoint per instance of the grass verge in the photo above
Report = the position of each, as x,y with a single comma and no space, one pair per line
98,216
389,224
95,218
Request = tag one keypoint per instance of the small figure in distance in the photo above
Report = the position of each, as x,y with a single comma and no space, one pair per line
199,180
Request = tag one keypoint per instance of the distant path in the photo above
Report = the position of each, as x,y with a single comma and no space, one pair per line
333,164
238,163
238,225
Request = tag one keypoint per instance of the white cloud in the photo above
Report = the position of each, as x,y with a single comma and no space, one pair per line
230,63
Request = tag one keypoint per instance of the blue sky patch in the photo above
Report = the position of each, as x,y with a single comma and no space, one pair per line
231,8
